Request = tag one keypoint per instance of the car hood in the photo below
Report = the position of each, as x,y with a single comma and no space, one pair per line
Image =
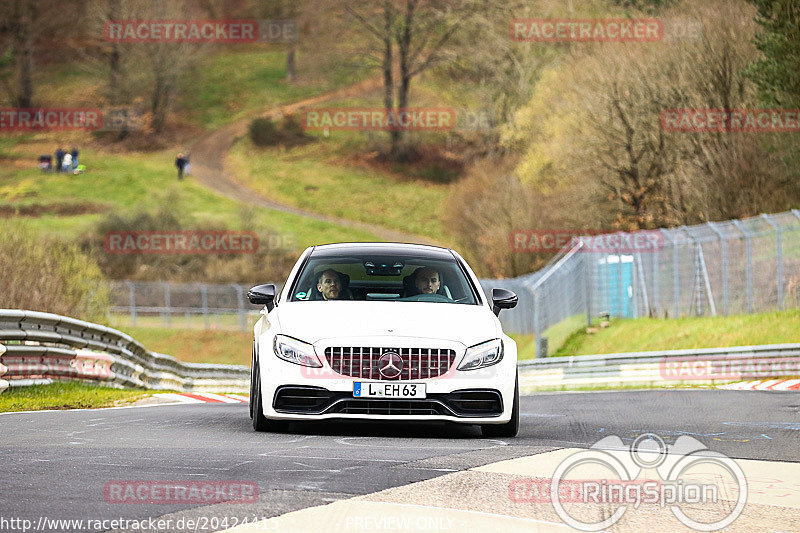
315,321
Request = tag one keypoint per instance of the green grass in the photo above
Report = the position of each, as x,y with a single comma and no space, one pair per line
197,346
221,87
231,85
317,178
66,395
616,386
125,181
650,334
556,336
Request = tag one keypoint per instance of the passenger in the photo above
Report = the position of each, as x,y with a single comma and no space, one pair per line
329,284
427,280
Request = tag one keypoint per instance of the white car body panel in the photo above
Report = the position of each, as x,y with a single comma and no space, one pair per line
385,325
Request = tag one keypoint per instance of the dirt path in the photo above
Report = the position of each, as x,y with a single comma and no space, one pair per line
209,168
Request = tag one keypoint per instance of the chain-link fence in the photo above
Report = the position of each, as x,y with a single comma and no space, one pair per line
734,267
184,305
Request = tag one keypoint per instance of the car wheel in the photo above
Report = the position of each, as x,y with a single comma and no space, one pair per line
510,428
261,422
252,380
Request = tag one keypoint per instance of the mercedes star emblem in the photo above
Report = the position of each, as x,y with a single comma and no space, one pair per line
390,365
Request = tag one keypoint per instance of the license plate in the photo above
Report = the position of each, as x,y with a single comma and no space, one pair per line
377,389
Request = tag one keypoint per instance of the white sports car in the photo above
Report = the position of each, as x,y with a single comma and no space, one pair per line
383,331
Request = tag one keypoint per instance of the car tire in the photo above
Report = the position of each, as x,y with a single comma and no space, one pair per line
510,428
261,422
252,380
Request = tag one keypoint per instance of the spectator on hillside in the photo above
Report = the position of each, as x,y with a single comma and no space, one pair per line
180,162
59,158
46,163
74,154
67,162
188,164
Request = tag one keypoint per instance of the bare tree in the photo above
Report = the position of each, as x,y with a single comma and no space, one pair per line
418,30
22,24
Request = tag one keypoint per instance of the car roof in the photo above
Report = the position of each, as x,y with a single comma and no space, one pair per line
381,248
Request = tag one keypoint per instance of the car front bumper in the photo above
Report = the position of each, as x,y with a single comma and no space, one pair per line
482,396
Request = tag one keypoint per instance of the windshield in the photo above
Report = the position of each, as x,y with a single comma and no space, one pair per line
392,278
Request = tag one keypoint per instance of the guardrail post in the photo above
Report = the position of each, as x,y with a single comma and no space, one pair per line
167,304
132,301
588,273
749,265
642,283
724,252
622,292
537,333
777,229
204,295
656,284
676,294
240,298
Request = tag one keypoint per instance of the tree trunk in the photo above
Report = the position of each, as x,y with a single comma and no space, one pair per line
23,50
388,79
115,68
403,46
291,71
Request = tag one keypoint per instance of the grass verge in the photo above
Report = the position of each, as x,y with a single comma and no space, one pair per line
66,395
197,346
650,334
315,177
610,387
126,181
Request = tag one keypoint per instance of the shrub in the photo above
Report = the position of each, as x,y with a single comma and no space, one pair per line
263,132
51,276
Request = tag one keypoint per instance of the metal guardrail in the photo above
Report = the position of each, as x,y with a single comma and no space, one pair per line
662,368
39,347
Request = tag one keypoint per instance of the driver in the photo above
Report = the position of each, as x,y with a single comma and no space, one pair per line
329,284
427,280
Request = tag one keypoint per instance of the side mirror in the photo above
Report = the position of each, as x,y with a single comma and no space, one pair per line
503,299
262,295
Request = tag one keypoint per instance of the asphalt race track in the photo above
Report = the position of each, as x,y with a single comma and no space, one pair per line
56,464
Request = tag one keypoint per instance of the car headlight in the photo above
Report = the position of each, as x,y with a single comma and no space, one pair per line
482,355
295,351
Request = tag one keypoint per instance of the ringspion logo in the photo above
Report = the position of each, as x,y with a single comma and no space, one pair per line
586,30
690,480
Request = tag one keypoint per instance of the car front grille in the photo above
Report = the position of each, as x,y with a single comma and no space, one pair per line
418,363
